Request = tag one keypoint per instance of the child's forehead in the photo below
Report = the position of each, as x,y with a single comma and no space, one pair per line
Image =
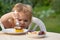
23,18
24,14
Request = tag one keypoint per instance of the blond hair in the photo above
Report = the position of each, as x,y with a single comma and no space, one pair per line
26,9
19,7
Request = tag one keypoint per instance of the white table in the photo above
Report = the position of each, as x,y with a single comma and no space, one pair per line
50,36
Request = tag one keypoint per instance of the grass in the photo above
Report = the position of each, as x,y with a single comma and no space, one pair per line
52,23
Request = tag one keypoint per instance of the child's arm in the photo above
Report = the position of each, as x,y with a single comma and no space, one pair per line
5,20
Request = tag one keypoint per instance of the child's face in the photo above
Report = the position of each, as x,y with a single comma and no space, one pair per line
23,20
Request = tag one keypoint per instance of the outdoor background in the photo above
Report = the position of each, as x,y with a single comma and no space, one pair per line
46,10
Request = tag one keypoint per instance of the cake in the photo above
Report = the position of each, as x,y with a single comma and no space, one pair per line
18,29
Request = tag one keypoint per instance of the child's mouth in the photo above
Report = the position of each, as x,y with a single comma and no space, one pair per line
22,26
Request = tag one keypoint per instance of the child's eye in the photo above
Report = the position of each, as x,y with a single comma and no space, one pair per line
25,20
19,19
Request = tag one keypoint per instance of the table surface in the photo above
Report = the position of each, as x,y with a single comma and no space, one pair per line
49,36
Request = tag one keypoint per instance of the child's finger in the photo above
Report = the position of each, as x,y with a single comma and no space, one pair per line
15,16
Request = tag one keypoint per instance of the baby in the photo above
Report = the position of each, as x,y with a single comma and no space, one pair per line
21,13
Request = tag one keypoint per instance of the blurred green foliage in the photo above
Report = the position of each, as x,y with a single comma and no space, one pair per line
56,6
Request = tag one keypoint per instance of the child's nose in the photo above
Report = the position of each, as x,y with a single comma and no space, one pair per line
22,23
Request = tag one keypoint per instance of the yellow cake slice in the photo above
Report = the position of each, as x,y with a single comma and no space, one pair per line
19,30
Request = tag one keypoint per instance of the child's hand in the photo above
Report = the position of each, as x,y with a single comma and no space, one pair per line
15,15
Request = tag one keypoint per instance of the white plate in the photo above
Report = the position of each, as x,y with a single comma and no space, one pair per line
12,31
36,35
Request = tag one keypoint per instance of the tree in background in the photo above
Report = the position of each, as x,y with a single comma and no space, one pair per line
36,5
56,6
7,5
